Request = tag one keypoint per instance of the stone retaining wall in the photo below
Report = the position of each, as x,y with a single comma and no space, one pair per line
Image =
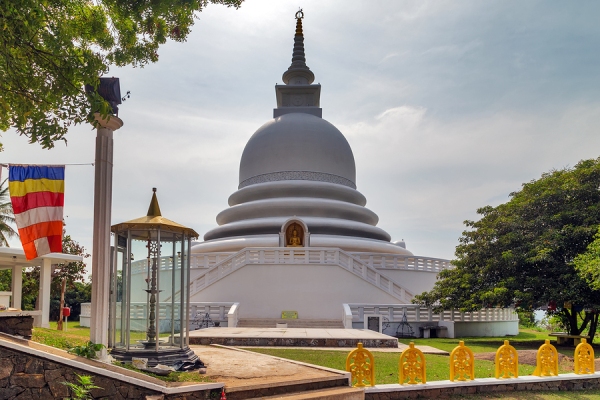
563,383
28,377
13,325
293,342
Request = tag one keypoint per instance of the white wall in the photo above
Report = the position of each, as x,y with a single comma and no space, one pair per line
315,291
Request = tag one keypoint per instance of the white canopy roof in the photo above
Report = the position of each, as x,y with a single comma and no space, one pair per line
10,257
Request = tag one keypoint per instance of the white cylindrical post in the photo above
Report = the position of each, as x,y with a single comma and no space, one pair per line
44,294
17,286
101,239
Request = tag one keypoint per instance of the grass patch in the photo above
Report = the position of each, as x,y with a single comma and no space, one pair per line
537,395
75,335
386,364
527,339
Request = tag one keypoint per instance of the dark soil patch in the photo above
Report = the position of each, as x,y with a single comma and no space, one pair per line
529,357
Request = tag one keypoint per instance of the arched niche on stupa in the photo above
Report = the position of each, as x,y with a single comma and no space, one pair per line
294,233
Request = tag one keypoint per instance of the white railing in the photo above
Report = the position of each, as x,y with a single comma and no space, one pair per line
375,260
417,313
396,261
217,312
86,309
166,263
347,316
323,256
233,315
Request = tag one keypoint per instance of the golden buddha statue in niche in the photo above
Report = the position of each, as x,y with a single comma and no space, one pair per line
294,236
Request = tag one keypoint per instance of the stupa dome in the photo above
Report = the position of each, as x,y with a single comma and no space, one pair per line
297,146
298,167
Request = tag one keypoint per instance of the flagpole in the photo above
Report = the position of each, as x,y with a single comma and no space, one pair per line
101,238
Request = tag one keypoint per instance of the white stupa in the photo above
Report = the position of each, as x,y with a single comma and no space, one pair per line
297,241
297,235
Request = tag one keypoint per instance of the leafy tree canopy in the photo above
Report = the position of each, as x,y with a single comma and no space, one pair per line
588,263
49,49
7,217
521,252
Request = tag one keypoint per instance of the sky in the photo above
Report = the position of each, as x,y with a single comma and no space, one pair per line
448,106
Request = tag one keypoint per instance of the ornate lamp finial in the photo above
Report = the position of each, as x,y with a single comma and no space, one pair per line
299,16
298,73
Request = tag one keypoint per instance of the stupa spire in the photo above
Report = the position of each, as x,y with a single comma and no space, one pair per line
298,73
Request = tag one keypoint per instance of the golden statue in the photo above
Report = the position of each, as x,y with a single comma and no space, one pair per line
295,240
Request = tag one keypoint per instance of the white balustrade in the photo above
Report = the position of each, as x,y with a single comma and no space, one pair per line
233,315
396,261
217,312
417,313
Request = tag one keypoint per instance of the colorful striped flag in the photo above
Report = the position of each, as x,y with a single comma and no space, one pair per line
37,196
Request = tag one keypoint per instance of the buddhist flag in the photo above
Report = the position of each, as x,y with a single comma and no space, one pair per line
37,196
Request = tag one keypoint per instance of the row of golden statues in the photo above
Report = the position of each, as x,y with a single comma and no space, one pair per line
361,363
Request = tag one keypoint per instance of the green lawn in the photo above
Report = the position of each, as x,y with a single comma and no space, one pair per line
527,339
75,335
437,366
386,364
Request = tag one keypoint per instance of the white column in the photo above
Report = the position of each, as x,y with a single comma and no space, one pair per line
101,239
17,286
44,294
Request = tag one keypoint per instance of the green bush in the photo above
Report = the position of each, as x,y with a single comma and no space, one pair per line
87,350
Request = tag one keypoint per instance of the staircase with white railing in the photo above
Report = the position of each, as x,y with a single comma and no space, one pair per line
323,256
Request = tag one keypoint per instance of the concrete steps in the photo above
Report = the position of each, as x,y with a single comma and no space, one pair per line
291,323
339,393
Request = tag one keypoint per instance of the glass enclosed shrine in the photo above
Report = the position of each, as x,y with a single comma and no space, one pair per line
149,303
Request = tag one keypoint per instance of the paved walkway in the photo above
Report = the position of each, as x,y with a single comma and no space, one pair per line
290,333
307,335
400,349
238,368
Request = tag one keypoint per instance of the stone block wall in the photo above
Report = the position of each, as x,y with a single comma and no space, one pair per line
13,325
444,392
27,377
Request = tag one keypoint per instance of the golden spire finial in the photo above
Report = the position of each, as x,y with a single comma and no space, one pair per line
299,16
154,209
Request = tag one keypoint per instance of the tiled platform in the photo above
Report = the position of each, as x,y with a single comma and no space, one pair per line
292,337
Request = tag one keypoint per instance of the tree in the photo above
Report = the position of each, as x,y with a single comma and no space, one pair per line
50,49
67,274
7,218
521,253
588,264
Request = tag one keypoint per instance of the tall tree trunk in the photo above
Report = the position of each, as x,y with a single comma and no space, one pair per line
63,289
571,317
593,325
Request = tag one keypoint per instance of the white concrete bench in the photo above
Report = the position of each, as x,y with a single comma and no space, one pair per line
563,337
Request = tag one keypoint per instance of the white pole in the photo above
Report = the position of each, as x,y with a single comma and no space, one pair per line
101,238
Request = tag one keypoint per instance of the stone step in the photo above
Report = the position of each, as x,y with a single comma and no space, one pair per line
291,323
339,393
